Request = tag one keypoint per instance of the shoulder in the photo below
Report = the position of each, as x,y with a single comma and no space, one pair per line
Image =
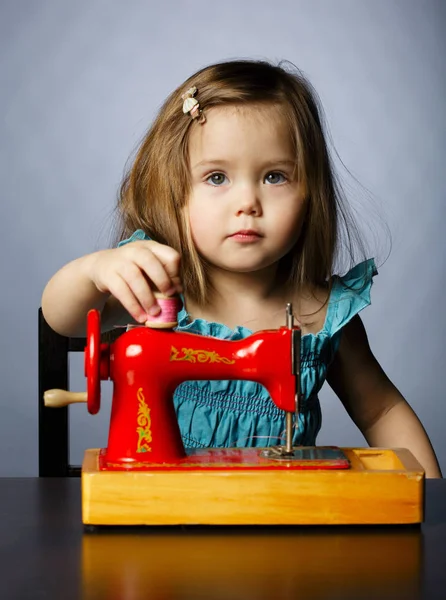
310,307
331,306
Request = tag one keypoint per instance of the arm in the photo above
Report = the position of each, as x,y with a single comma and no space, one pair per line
373,402
71,293
118,282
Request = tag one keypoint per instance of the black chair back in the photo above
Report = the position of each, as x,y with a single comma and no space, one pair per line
54,442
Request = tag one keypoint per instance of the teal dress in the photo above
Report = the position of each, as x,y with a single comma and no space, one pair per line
239,413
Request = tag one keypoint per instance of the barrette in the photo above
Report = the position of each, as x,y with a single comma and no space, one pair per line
192,106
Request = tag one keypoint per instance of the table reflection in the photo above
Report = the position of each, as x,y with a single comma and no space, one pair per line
252,563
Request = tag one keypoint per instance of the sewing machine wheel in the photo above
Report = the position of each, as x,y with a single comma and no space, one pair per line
92,361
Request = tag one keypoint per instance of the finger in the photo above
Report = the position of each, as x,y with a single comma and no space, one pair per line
169,258
122,291
143,287
156,272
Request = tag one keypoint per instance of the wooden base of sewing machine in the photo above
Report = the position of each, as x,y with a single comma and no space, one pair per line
380,486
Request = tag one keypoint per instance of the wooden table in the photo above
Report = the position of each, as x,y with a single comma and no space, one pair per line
45,553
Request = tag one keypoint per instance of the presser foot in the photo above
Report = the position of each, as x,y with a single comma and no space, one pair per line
278,452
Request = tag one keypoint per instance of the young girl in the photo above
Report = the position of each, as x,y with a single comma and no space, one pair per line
232,202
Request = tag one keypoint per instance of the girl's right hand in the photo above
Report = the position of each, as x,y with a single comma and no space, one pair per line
131,273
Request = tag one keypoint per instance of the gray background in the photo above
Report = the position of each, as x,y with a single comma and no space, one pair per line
81,81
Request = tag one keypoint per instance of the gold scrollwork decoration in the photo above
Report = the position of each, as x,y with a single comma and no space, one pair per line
144,422
201,356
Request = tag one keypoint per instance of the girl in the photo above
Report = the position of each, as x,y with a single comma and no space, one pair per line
232,202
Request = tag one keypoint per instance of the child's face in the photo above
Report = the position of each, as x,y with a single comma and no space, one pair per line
242,163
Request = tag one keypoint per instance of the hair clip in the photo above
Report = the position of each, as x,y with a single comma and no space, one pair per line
192,106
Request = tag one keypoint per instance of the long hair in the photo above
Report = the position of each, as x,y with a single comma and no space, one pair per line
155,188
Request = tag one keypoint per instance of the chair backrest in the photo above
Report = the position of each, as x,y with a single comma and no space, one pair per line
54,446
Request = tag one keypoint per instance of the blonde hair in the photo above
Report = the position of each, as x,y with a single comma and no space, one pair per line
155,188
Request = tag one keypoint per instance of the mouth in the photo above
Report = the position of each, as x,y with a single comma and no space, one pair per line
246,233
246,236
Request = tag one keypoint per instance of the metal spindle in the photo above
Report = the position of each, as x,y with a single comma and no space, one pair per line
289,415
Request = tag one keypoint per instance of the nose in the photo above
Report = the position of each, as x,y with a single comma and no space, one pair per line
248,201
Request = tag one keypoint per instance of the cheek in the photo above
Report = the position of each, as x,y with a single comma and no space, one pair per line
202,225
291,221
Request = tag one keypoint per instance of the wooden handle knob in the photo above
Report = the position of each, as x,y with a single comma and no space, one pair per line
58,398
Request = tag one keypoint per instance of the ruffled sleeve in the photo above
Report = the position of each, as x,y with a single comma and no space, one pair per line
137,235
350,294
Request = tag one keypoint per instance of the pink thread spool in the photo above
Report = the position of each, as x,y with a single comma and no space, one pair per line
167,318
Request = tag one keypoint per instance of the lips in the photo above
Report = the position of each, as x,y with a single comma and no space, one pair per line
247,233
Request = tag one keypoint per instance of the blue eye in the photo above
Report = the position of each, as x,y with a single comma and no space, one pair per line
216,179
275,177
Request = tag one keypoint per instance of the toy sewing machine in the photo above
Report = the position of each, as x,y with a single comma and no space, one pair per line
145,476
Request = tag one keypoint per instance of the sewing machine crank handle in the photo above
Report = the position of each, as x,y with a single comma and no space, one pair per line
58,398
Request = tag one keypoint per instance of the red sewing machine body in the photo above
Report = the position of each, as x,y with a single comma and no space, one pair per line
146,365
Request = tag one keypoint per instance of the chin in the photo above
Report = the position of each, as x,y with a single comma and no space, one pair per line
245,267
240,262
